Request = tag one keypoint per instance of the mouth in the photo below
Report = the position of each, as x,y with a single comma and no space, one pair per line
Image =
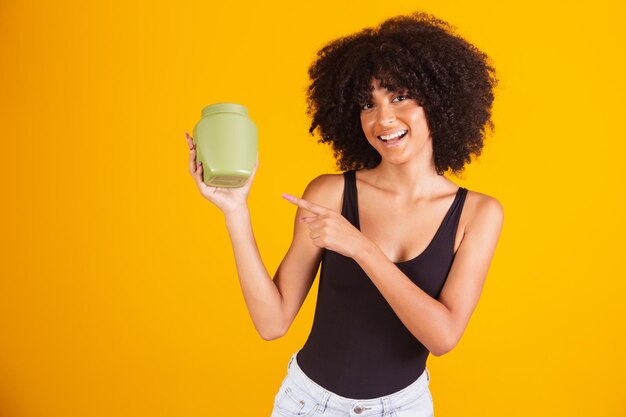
393,138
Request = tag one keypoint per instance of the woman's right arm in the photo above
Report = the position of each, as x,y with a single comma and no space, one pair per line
272,303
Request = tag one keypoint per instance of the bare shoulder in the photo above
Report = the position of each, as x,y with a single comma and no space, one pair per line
482,208
326,190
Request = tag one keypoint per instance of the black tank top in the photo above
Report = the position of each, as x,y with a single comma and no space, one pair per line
358,347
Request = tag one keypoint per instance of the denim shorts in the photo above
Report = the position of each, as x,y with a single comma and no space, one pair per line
299,396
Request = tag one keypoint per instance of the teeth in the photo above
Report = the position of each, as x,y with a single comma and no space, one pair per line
393,135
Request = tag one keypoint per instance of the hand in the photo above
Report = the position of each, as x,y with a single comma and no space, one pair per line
329,229
228,200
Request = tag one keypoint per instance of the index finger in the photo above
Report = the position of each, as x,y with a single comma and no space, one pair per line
307,205
189,141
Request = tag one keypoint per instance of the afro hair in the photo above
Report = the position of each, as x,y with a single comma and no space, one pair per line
418,54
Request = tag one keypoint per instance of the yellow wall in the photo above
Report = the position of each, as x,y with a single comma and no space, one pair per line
118,293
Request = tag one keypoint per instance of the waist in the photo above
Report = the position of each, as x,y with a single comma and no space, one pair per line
416,388
360,373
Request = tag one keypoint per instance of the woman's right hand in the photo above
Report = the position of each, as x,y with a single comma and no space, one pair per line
228,200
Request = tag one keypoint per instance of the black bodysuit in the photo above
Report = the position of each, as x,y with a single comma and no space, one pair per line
358,347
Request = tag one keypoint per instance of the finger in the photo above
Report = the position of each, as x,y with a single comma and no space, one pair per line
307,205
192,153
189,141
200,181
198,174
192,161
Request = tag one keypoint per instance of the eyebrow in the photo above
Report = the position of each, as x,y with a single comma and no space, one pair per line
401,92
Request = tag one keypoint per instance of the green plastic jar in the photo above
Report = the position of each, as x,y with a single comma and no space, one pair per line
226,142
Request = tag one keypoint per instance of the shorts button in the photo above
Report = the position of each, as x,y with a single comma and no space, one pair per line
358,409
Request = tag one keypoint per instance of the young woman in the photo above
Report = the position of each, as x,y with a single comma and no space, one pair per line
404,251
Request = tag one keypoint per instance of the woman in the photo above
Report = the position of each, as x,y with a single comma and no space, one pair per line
404,252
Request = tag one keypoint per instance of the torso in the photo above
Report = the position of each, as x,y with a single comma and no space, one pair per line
351,311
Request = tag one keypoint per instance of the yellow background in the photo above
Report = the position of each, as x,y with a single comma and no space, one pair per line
118,291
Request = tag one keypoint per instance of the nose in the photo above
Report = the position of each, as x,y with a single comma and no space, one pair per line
386,115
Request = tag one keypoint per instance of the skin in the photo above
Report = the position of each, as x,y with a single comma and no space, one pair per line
400,196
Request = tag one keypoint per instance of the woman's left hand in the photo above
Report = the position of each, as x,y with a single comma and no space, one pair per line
329,229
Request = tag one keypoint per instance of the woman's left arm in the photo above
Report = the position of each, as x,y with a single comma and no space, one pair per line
439,324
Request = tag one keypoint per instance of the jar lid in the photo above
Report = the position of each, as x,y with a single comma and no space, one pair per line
224,108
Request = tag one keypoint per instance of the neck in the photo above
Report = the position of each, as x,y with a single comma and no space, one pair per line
414,179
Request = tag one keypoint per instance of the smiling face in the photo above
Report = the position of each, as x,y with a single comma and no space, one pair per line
395,125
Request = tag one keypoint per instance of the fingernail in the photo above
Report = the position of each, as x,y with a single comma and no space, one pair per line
287,196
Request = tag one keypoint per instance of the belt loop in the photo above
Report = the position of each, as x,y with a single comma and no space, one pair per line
428,374
386,407
323,402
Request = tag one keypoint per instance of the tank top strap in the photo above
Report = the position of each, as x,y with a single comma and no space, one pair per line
349,208
451,222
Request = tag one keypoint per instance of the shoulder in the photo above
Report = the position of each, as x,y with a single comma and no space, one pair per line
484,211
326,190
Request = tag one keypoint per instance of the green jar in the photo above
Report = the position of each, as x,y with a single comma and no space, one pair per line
226,142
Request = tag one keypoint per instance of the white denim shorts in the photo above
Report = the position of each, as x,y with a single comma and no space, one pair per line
299,396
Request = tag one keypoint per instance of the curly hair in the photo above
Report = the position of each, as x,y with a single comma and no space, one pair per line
420,54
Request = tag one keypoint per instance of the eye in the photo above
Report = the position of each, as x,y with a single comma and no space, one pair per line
401,97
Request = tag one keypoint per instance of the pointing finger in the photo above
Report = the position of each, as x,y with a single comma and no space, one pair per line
307,205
